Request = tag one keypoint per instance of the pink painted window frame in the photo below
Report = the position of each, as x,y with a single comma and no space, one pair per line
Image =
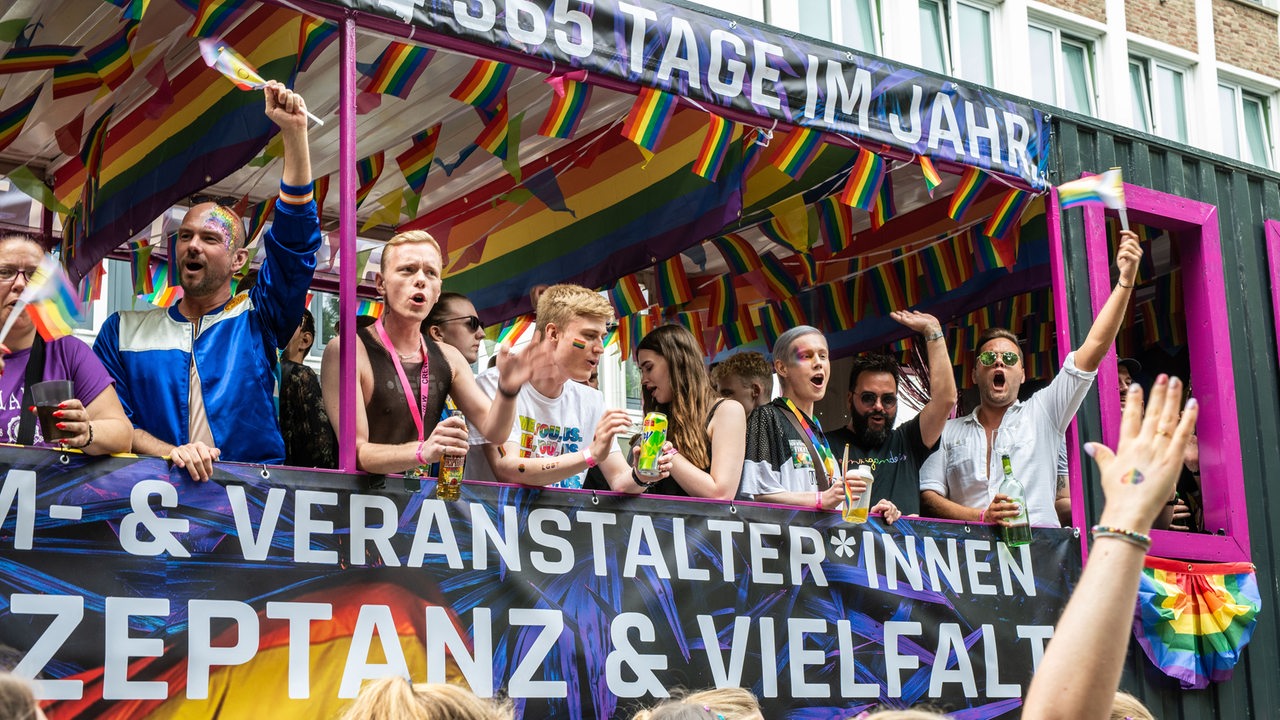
1212,366
1273,259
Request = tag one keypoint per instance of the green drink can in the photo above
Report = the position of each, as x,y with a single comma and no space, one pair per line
653,435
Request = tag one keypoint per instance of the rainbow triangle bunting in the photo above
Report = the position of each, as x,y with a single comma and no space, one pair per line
13,119
368,170
415,162
931,177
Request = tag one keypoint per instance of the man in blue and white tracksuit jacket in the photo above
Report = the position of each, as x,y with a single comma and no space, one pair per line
197,379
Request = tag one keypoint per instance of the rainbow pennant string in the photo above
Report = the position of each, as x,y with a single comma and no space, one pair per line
724,301
801,148
485,84
566,111
673,283
493,138
738,253
1008,212
970,183
111,59
368,170
834,222
13,119
863,185
398,68
931,177
883,209
648,120
74,78
780,282
34,58
415,162
1193,624
715,146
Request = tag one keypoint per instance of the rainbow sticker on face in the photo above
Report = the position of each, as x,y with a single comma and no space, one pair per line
223,222
580,343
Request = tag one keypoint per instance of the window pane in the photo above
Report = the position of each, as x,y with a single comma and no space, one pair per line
975,44
1170,104
1230,124
1044,77
858,25
815,18
1077,78
1138,91
932,51
1255,132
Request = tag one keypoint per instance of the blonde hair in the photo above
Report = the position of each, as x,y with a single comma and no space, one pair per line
410,237
394,698
560,304
17,701
713,704
1128,707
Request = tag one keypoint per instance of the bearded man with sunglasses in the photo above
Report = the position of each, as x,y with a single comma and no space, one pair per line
959,481
895,454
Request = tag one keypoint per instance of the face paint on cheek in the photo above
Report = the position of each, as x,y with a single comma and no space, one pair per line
580,343
223,222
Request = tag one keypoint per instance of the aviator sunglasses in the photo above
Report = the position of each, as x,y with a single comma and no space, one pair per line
473,322
988,358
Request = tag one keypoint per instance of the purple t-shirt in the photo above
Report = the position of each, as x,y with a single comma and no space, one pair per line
67,358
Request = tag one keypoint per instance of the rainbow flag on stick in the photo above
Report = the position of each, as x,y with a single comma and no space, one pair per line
970,183
801,148
648,120
13,119
714,147
485,84
371,308
416,161
219,56
1193,621
398,68
36,57
568,106
673,283
1105,189
51,301
863,186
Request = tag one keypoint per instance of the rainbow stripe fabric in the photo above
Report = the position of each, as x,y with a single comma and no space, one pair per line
672,282
801,148
714,147
111,60
738,253
627,296
13,119
368,170
74,78
416,161
1007,213
931,177
315,35
51,300
1193,621
970,183
1105,189
485,84
36,57
214,17
863,186
648,119
398,68
567,110
494,136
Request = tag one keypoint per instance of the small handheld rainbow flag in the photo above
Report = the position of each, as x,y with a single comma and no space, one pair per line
219,56
1106,189
371,308
51,301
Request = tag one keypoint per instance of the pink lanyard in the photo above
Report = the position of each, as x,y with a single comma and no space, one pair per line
416,413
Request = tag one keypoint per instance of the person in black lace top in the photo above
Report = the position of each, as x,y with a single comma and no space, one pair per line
309,440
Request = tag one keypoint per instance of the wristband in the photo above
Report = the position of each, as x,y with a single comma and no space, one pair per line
418,453
642,483
1129,536
817,501
586,455
506,393
936,336
1127,287
982,516
88,442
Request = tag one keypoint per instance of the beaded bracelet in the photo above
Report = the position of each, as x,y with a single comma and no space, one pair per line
88,442
1129,536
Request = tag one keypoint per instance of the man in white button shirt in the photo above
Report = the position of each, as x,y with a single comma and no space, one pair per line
959,481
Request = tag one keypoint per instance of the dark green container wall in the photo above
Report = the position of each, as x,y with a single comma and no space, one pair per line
1246,197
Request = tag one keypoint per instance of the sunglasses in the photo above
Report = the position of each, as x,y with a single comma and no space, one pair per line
887,400
473,322
988,358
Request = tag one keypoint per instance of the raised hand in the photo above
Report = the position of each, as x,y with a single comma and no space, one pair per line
1128,256
515,367
923,323
285,107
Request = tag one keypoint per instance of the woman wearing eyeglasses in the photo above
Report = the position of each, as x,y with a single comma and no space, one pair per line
959,480
92,421
453,321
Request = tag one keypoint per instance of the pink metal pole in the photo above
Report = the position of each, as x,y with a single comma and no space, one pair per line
347,244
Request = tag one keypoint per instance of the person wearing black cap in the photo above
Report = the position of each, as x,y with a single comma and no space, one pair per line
1127,370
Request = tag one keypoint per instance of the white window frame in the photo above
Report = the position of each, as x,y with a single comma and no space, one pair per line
944,22
949,11
1059,65
786,14
1264,98
1150,63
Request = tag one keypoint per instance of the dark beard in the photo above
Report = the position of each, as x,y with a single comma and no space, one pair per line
867,438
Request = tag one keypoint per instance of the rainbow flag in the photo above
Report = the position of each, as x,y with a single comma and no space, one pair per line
368,170
74,78
741,331
801,148
567,110
931,177
514,329
648,119
257,219
714,147
1105,189
219,56
835,221
214,17
51,300
494,137
863,186
738,253
111,60
370,308
1193,621
808,268
838,304
627,296
724,301
14,118
771,323
91,284
398,68
780,282
970,183
888,288
416,161
692,321
673,283
140,266
1007,213
163,294
789,224
485,84
36,57
133,9
320,191
884,208
941,271
315,35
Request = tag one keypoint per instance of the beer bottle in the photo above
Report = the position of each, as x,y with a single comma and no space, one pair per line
448,488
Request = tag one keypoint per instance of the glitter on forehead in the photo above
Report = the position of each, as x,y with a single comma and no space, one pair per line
222,221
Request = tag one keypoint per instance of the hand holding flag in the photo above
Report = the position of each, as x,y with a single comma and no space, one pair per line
1106,189
50,299
219,56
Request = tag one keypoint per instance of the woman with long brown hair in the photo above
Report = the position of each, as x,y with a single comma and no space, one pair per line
708,432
